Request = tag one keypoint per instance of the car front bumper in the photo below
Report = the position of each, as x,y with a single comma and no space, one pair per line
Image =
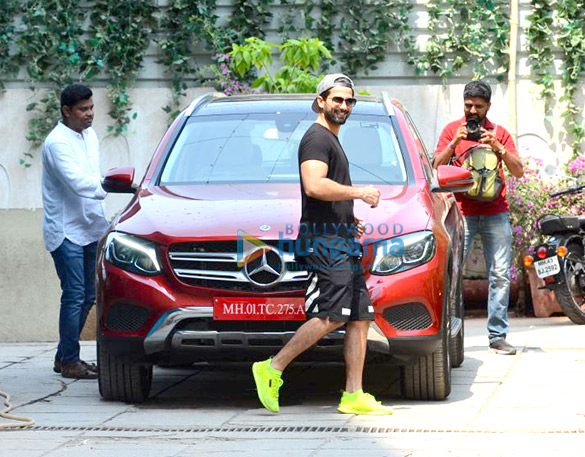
167,334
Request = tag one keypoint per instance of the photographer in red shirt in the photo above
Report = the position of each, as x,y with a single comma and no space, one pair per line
490,219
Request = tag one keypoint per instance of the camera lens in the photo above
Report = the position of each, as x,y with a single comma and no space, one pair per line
473,129
472,126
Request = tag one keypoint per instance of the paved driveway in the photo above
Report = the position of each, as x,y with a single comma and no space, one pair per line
530,404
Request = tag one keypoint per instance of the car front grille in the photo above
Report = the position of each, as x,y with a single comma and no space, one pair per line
213,264
410,316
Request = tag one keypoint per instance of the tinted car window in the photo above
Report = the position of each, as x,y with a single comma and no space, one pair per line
263,148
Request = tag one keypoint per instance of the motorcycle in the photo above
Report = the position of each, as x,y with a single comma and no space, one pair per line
560,261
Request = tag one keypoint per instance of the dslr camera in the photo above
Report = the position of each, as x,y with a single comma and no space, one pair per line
473,129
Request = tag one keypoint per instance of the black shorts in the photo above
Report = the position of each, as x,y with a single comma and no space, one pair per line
336,288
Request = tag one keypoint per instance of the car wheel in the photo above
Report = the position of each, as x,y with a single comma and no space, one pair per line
122,379
429,378
457,342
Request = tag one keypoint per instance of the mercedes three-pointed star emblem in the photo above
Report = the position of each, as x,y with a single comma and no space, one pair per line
266,269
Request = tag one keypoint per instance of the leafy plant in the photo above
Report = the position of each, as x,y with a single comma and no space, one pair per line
540,46
571,39
465,33
122,31
323,25
8,10
367,28
302,59
51,49
560,24
249,18
185,25
292,19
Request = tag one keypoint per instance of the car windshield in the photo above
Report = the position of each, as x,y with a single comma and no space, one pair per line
263,148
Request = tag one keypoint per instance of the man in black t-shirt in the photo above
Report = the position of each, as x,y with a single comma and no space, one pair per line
336,293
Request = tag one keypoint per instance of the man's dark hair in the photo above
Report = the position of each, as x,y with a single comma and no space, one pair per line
73,94
477,89
343,82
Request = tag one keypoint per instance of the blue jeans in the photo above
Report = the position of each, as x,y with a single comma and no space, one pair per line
496,237
75,267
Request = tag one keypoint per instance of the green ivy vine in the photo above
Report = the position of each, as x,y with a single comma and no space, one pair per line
51,50
324,24
186,24
122,31
571,39
540,47
8,9
249,18
48,39
465,33
292,19
367,29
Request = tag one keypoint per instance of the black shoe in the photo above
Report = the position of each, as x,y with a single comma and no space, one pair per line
77,370
89,366
501,346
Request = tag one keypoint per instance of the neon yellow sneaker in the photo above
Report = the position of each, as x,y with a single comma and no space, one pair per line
359,402
268,380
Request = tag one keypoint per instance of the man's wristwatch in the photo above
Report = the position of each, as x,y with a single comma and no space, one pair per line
502,151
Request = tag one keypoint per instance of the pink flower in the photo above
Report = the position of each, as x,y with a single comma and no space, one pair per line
576,166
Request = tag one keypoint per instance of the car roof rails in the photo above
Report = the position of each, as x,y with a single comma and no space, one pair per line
387,101
196,103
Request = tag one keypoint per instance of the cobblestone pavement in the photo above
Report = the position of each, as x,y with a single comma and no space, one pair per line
530,404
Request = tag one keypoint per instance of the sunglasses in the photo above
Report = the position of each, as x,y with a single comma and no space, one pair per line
348,101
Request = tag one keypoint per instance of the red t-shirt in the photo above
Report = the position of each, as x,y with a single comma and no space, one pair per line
470,206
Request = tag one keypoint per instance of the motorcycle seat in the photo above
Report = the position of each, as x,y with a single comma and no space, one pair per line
554,223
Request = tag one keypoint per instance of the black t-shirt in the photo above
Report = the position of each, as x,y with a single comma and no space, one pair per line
322,218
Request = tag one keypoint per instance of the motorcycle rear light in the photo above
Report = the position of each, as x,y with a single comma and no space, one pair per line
541,252
528,261
562,251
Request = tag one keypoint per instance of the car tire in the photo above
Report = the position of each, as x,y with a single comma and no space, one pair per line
429,378
122,379
457,349
457,343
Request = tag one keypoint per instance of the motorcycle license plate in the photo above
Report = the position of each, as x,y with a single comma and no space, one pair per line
547,267
259,309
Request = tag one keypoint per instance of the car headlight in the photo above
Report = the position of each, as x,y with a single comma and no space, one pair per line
132,253
403,252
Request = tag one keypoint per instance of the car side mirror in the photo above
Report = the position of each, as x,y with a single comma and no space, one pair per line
119,180
453,179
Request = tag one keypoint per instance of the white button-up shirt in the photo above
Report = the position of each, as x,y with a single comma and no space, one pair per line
73,197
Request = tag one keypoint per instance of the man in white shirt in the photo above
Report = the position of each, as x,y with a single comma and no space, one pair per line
74,220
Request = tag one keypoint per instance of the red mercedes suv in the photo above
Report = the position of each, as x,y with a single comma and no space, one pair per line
201,264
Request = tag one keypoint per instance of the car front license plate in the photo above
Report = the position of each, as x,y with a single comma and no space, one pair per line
547,267
259,309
